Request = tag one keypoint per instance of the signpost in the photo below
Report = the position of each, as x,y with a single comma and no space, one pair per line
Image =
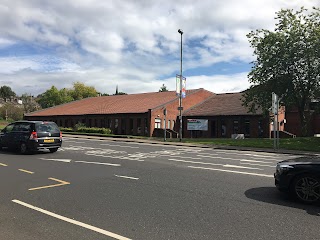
275,111
165,127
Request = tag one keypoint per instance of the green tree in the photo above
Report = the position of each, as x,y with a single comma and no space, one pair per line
163,88
53,96
81,91
64,96
288,63
49,98
6,92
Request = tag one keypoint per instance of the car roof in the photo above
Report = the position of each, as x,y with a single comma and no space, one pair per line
26,121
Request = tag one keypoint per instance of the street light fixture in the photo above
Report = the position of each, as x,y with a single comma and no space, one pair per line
180,95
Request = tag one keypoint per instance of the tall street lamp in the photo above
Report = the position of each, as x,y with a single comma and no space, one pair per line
180,95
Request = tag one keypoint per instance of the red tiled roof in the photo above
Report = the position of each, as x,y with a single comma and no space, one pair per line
132,103
220,105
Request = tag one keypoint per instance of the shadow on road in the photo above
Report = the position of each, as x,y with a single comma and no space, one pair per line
10,152
273,196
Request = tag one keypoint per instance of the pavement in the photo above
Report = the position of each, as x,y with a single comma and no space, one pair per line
212,146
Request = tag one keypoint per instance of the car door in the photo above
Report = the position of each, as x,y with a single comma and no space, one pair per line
7,135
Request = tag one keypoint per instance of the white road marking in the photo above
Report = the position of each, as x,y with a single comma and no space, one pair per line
105,144
261,156
130,159
213,164
115,157
255,164
84,225
236,166
203,163
208,156
218,157
57,160
189,157
231,171
99,163
235,159
246,160
133,178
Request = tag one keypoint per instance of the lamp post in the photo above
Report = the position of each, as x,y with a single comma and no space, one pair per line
180,95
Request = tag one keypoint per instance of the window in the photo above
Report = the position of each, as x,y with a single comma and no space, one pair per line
157,123
9,128
164,124
169,124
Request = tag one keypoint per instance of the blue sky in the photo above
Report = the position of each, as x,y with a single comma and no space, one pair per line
132,44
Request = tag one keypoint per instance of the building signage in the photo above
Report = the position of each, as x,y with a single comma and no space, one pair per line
197,124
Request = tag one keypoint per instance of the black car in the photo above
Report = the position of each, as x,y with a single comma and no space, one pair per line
30,136
300,177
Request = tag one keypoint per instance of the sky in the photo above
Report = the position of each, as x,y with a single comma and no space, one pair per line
132,44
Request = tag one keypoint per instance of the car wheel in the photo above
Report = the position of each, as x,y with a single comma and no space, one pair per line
306,188
52,150
23,149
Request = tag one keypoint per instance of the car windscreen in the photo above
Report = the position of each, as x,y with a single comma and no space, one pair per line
47,127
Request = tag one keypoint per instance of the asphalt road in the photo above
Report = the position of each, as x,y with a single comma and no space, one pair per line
94,189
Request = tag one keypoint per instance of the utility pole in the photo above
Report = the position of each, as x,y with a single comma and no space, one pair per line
180,95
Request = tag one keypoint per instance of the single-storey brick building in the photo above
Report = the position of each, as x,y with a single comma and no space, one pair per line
143,114
133,114
225,116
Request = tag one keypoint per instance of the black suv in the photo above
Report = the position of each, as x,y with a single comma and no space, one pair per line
29,136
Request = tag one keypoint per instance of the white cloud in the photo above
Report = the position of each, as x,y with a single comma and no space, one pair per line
133,44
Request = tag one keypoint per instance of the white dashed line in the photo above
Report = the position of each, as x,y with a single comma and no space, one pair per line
100,163
57,160
133,178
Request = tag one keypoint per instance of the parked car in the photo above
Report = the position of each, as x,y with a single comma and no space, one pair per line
30,136
300,177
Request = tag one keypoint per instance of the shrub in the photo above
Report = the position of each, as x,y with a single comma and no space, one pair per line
79,125
66,129
94,130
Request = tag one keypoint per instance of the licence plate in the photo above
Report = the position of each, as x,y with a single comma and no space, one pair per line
48,140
